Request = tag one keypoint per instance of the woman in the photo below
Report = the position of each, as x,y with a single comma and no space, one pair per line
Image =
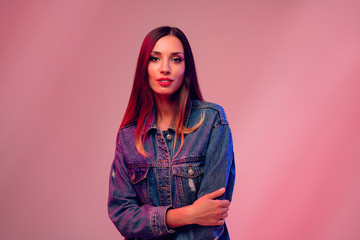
173,172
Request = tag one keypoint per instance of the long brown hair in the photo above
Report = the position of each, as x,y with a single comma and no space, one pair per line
141,100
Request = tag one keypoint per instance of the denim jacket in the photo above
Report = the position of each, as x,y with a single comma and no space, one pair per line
142,189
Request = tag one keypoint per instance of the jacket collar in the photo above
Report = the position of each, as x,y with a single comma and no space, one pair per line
150,122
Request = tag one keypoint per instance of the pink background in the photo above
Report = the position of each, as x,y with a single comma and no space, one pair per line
287,73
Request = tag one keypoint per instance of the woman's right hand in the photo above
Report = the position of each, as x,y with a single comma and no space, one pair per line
208,211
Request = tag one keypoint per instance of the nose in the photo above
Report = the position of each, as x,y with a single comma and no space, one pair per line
165,67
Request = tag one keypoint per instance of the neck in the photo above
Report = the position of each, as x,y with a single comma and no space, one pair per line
164,113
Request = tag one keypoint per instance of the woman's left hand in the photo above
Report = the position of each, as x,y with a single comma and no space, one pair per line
208,211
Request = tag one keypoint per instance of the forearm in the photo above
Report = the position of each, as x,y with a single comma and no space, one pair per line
205,211
179,217
143,222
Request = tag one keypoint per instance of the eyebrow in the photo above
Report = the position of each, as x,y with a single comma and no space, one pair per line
173,53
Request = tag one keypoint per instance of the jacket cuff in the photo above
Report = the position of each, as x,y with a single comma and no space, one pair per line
158,221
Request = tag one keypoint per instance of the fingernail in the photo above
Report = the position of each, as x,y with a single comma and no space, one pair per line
222,189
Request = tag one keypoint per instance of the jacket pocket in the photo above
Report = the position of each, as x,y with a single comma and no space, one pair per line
139,178
137,173
188,176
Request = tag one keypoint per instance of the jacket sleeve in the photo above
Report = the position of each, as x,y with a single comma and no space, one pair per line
219,172
129,215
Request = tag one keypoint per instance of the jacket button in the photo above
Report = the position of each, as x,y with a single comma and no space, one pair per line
168,137
191,172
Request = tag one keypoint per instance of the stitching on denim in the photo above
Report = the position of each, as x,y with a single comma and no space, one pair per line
216,107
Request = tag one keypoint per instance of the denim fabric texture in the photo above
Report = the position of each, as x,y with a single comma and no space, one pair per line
142,189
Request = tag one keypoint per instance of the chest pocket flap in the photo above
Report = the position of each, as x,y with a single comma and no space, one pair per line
189,169
138,173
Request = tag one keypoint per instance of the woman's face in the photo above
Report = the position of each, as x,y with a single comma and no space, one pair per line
166,66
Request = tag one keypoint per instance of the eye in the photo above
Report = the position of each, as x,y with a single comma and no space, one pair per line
177,60
154,59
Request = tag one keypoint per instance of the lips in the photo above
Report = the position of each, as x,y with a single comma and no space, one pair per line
164,82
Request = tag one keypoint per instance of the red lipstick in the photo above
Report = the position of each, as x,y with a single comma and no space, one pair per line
164,82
